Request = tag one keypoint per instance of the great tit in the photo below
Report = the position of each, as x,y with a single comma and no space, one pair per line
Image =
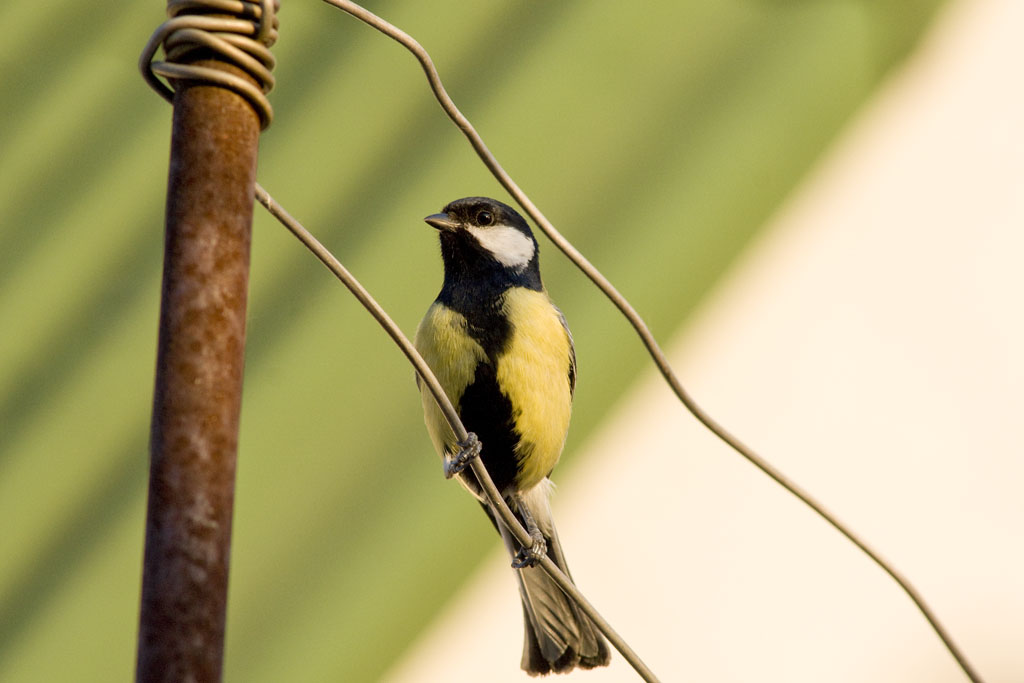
504,355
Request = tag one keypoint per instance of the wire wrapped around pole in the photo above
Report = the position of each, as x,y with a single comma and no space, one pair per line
236,32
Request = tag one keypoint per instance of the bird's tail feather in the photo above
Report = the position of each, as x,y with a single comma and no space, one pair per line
558,635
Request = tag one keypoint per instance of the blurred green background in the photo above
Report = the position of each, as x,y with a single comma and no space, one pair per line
657,136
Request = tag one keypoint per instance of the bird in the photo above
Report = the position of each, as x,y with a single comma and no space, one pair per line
503,353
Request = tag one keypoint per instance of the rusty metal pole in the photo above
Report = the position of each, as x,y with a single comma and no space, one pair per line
197,400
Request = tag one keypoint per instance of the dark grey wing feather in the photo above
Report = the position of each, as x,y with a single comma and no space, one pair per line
572,352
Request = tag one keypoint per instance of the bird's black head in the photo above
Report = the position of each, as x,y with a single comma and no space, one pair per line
485,242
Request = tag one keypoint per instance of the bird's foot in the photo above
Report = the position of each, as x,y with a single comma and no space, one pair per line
468,449
529,557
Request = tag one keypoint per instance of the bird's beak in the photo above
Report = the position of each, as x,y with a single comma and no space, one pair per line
441,221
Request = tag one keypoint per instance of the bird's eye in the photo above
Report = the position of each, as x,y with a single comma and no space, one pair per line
484,218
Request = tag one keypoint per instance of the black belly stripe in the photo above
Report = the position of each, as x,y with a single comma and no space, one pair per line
491,330
487,412
485,321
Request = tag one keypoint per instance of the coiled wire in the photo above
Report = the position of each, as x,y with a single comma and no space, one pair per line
239,32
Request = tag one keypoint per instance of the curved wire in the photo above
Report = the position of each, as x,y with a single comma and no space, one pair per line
660,360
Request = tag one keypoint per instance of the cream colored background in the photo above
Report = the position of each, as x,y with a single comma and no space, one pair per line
871,345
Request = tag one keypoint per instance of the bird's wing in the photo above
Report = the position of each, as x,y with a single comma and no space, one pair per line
572,352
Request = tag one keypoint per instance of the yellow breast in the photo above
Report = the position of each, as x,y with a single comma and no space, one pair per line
534,374
453,355
532,371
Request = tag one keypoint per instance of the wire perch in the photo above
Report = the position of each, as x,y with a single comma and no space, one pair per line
509,520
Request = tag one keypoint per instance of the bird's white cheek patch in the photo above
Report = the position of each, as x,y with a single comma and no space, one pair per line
509,246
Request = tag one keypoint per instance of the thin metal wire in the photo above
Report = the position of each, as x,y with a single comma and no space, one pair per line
242,40
660,360
452,416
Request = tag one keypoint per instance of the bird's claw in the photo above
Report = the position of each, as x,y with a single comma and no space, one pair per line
468,449
529,557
